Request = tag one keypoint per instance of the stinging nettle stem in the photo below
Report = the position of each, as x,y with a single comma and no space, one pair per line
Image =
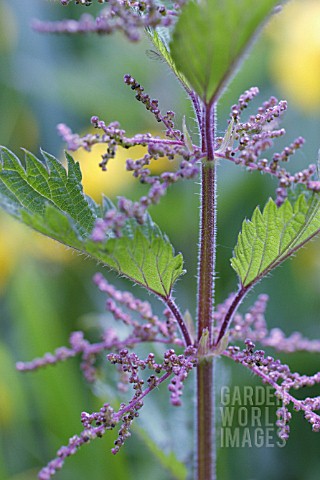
206,273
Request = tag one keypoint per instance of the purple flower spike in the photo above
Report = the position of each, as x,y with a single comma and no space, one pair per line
126,16
249,140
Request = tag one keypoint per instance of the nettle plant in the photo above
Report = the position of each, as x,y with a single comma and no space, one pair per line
203,43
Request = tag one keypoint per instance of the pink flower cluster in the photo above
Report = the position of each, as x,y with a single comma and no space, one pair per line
127,16
250,139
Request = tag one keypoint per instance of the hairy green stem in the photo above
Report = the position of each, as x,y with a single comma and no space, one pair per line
205,380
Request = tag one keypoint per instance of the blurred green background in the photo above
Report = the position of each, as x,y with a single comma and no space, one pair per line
46,292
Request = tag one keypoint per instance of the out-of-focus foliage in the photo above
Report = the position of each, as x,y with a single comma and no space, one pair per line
295,63
8,28
46,292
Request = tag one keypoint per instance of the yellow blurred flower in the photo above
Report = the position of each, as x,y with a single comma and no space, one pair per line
295,59
116,180
18,242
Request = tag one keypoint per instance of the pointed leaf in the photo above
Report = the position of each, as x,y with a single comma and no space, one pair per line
186,135
221,345
50,199
204,344
228,139
273,235
211,37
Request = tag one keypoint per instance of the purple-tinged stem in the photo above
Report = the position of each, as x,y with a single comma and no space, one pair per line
231,311
207,229
197,108
177,315
205,391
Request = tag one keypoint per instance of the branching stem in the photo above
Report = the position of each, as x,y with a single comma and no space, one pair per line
177,314
231,311
132,404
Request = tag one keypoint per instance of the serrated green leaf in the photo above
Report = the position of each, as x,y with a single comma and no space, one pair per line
49,198
211,37
38,185
143,254
273,235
